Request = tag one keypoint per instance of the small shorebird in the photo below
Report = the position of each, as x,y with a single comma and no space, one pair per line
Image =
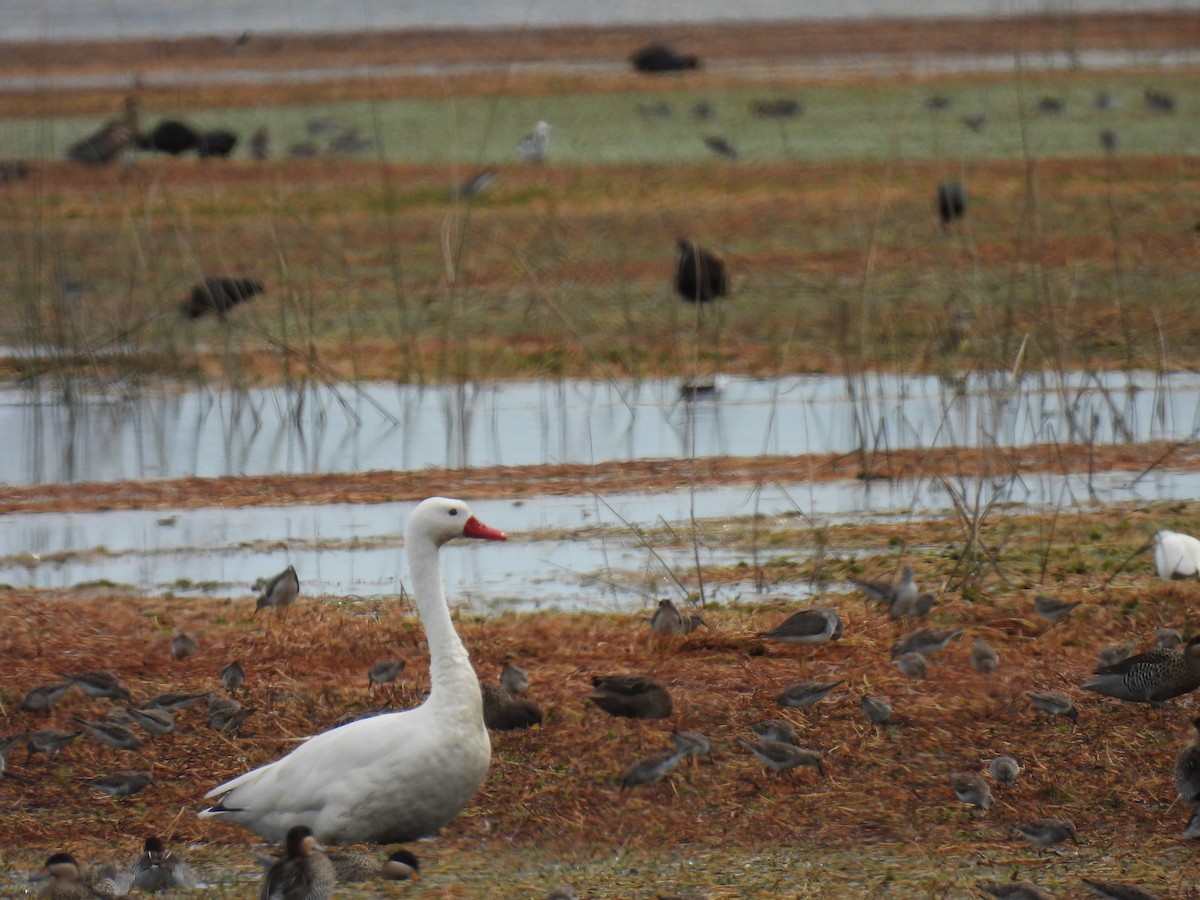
781,757
1045,833
1015,890
651,769
1005,770
384,671
1056,703
692,744
779,730
911,664
98,684
232,676
1117,890
807,626
153,720
972,790
805,693
172,701
1187,767
184,645
43,697
925,641
116,736
902,592
1115,653
280,592
877,710
359,865
49,741
515,679
1053,610
984,657
122,784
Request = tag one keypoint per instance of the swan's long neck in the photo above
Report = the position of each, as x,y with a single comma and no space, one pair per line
452,679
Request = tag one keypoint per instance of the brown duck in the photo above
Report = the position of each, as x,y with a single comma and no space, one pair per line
631,696
1151,677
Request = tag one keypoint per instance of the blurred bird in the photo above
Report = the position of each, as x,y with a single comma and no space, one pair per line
877,710
911,664
781,108
153,720
232,676
170,136
1114,653
1158,101
1109,140
699,275
925,641
304,872
805,693
1193,826
183,645
280,592
1051,609
1056,703
721,147
631,696
656,59
260,144
116,736
1116,890
951,202
219,295
65,883
535,146
43,697
651,769
473,186
1015,890
502,712
158,869
1051,105
384,671
226,714
918,609
217,142
1045,833
1151,677
901,594
690,743
972,790
984,657
1187,767
1005,770
976,122
1168,638
777,730
98,684
105,144
807,626
7,744
1176,555
666,619
781,757
49,741
122,784
172,700
357,866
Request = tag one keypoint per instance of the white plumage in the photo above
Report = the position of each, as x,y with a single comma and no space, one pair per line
1176,555
535,146
395,777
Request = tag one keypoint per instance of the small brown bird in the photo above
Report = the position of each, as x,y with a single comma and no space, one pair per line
304,872
877,710
902,594
780,757
651,769
116,736
1056,703
805,693
122,784
925,641
1045,833
384,671
172,700
972,790
226,714
154,720
1015,890
360,865
232,676
1005,770
691,743
911,664
666,619
1051,609
515,679
777,730
49,741
984,657
43,697
98,684
631,696
1114,653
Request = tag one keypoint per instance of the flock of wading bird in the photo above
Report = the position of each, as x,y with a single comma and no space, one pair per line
393,777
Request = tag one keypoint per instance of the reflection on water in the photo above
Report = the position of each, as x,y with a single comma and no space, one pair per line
401,427
595,560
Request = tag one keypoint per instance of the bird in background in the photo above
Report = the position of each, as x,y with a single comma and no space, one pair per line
232,676
900,594
122,784
280,592
911,664
1151,677
721,146
1055,703
43,697
1052,609
806,693
116,736
1168,638
877,710
1187,767
699,275
49,741
651,769
951,202
777,730
1119,890
984,657
183,645
473,186
158,869
514,678
106,144
925,641
666,619
656,59
631,696
384,671
219,295
1115,653
99,684
1176,555
359,865
535,146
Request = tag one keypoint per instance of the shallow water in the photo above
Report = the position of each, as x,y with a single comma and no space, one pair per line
594,561
407,428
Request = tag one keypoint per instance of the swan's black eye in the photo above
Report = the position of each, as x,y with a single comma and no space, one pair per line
454,512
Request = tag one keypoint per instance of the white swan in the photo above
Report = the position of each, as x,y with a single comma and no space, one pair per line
395,777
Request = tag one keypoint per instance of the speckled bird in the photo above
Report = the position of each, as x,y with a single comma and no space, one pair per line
303,873
352,866
807,626
691,743
805,693
184,645
1151,677
972,790
631,696
158,869
232,676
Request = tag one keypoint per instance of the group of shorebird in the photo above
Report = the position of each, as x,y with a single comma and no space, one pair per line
1170,669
